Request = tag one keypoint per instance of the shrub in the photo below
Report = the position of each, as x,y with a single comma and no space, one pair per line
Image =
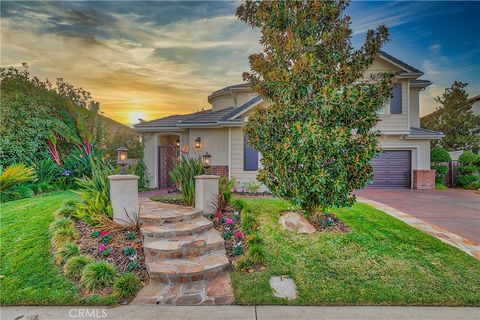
252,187
46,171
74,266
465,180
240,204
94,192
469,158
63,235
15,174
473,186
440,155
224,193
439,169
97,275
63,222
68,250
16,193
466,169
126,286
141,171
184,176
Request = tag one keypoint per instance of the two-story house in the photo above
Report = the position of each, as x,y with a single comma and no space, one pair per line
405,161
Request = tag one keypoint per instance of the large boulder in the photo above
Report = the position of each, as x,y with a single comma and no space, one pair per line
292,221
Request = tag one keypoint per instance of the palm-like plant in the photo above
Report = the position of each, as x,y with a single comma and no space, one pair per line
184,176
15,174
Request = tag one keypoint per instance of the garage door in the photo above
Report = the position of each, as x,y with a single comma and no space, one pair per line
392,169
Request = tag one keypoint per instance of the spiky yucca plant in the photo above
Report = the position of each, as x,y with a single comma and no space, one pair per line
184,176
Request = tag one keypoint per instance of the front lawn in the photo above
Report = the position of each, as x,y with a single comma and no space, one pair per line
28,273
383,261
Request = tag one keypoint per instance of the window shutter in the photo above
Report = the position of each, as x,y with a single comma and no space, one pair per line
250,157
396,102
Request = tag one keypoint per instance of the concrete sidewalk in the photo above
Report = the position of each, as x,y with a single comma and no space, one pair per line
139,312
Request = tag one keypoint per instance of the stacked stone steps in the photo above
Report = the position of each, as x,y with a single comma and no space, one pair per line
184,246
185,257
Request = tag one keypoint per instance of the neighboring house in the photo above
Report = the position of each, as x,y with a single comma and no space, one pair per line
476,105
218,131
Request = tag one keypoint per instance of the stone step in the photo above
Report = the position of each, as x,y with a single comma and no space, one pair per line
169,214
184,246
215,291
152,233
188,269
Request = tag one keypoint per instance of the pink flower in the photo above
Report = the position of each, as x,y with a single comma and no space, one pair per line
101,247
239,234
229,221
103,234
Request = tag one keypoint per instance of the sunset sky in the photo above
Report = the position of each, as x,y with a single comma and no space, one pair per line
153,59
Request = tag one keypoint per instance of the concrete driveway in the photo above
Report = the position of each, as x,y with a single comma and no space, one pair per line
455,210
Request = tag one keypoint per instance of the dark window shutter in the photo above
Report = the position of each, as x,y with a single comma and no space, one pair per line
396,102
250,157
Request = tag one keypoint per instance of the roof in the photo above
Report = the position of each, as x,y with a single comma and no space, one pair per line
475,98
203,118
421,133
229,89
420,83
399,62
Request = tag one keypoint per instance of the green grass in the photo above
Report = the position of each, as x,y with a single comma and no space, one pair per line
29,275
383,261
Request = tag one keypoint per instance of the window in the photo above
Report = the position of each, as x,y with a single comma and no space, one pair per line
250,157
396,101
393,105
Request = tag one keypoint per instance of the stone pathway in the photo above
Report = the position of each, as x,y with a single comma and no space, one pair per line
442,234
185,257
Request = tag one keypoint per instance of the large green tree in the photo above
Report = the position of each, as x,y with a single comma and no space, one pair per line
316,136
454,117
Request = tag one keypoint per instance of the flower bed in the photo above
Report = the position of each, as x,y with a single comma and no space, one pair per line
327,222
228,224
123,248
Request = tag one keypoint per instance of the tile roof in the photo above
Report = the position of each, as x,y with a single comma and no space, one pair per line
170,121
242,108
210,117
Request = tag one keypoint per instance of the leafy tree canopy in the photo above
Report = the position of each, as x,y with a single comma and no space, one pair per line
315,136
454,117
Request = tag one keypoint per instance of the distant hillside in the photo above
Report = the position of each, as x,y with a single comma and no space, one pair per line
113,128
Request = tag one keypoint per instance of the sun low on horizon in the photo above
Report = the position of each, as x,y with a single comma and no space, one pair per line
147,60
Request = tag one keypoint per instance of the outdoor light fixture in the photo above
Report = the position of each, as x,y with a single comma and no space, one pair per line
198,143
122,156
206,160
177,143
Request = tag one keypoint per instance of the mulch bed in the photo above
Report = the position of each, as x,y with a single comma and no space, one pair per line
90,246
327,223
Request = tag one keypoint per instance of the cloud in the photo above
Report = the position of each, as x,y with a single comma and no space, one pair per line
127,61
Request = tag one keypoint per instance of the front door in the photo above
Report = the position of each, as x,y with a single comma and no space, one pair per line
167,157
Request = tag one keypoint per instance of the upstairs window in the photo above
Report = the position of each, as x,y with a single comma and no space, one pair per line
396,101
250,157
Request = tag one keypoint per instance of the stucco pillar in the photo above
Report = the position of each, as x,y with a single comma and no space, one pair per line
124,197
206,192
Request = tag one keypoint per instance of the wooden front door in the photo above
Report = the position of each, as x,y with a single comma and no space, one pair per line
167,157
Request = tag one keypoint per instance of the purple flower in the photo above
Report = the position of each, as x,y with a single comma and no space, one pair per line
229,221
101,247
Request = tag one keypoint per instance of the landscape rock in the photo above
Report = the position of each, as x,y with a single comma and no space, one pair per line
283,287
292,221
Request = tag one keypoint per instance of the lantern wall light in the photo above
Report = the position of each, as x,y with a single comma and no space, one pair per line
206,160
177,143
122,159
198,143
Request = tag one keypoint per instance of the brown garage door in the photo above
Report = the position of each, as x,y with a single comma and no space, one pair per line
392,169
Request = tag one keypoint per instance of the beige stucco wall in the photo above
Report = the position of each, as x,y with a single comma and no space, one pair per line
476,108
214,141
222,102
414,107
236,170
149,150
420,149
